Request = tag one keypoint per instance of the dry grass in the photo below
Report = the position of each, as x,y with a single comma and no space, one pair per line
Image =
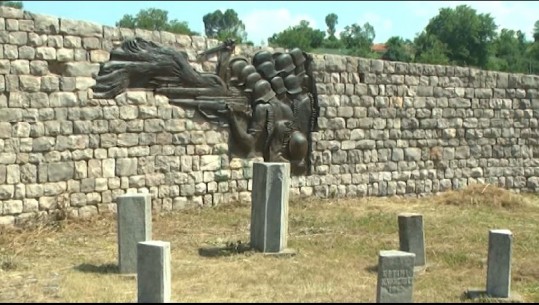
337,243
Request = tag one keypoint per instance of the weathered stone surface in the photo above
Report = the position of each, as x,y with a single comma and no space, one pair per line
10,12
46,53
64,55
81,68
499,263
44,24
39,68
154,272
395,277
61,171
385,128
80,28
269,216
27,52
134,226
412,236
30,83
126,166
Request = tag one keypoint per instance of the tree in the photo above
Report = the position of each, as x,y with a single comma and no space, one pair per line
14,4
398,49
154,19
465,33
300,36
509,52
358,40
224,26
430,50
536,31
331,21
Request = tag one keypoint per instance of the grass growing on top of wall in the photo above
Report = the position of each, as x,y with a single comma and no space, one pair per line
337,243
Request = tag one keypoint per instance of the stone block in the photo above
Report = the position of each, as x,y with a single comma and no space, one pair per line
46,24
81,68
11,12
412,236
269,212
30,83
39,68
395,277
153,272
80,28
134,225
46,53
64,54
27,52
499,263
126,166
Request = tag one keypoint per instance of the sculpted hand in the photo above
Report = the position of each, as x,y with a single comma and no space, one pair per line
227,112
230,44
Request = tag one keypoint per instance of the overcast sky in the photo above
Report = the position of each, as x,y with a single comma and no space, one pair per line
264,18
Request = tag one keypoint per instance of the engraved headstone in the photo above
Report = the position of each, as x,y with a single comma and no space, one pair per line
269,211
134,225
412,236
395,277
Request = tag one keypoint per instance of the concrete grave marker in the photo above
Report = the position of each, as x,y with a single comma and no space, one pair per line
269,211
498,269
395,277
134,225
499,263
412,236
153,272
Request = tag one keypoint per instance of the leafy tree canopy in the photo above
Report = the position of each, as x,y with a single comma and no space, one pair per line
465,34
300,36
358,39
15,4
224,26
155,19
398,49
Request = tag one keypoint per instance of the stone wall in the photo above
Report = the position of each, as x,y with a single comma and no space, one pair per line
385,128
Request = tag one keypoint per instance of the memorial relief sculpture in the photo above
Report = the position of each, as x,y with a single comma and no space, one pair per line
269,103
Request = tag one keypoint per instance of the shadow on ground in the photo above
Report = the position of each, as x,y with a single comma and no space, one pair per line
372,269
104,269
227,250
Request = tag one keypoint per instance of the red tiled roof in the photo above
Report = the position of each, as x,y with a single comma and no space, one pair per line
378,47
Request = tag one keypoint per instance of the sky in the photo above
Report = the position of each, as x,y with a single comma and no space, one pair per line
264,18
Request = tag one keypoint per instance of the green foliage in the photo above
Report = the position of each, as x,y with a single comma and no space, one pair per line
332,43
154,19
331,21
14,4
300,36
224,26
509,52
536,31
398,49
430,50
358,40
465,33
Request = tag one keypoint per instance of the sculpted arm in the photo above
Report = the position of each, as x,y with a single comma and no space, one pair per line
248,138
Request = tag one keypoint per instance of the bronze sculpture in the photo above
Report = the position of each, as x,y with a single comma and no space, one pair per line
270,104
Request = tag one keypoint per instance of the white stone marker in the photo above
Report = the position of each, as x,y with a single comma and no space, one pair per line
269,206
134,225
412,236
395,277
153,272
499,263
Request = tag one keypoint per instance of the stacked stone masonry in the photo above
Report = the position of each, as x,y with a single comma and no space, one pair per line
385,128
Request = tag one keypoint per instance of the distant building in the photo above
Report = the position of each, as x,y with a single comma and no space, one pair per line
379,48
